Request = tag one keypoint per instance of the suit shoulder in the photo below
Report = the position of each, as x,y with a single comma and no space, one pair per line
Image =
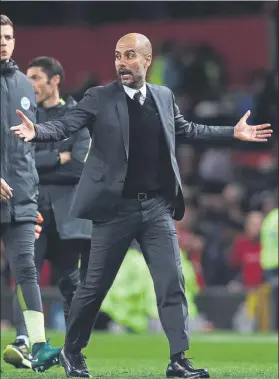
162,89
92,90
98,89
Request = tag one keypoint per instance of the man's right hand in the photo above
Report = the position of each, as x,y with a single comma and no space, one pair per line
5,190
26,129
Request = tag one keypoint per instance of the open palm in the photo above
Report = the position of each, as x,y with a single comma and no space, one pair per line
26,129
251,133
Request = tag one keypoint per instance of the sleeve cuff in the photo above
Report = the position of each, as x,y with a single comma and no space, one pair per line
36,131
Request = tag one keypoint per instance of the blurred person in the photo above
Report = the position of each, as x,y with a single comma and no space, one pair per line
256,83
87,80
265,201
266,102
269,201
187,162
204,74
18,200
245,254
59,164
157,71
218,232
172,75
131,188
269,250
219,228
191,243
216,165
233,195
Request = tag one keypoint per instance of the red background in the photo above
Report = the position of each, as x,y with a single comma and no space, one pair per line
243,42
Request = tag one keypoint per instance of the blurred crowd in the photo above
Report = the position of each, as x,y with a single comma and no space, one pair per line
228,188
197,74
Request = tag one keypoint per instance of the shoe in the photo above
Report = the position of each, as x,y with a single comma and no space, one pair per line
44,356
184,369
74,365
17,354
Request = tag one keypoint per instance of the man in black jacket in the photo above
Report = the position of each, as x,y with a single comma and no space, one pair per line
18,200
131,188
59,164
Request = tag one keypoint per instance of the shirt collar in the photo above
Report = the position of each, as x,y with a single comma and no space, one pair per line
131,91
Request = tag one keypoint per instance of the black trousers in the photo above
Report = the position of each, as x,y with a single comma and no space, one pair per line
150,223
64,256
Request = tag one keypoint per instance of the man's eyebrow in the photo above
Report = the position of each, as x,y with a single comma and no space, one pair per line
126,51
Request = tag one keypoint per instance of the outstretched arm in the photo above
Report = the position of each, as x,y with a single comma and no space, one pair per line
241,131
76,119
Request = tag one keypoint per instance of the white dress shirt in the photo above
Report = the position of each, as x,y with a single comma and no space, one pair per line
131,92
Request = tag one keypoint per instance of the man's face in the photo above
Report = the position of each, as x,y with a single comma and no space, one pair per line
131,64
43,86
7,42
253,224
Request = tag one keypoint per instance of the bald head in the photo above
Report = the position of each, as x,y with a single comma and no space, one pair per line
133,56
138,41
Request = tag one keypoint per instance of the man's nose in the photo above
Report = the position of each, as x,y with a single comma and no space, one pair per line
123,66
122,62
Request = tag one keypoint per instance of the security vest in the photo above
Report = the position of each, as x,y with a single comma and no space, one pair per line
269,241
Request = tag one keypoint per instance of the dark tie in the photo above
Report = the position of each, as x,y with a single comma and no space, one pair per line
137,97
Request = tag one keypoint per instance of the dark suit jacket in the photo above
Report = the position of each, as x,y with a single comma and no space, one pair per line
103,110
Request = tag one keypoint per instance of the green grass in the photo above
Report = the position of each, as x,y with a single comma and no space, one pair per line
128,356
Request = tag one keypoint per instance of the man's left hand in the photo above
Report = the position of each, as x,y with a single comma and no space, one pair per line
251,133
38,227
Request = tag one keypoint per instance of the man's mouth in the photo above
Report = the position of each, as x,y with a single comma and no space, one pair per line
125,74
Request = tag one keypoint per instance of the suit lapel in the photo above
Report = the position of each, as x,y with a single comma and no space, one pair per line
123,115
161,109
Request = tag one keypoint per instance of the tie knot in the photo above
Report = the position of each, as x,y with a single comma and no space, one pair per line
137,96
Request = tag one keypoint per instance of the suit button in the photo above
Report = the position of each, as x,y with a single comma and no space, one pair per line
125,160
121,181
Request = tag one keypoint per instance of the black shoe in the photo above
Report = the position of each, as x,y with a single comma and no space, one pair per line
184,369
74,365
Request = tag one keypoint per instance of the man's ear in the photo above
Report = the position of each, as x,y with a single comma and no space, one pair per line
55,80
148,60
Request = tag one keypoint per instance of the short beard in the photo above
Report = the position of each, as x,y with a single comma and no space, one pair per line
137,83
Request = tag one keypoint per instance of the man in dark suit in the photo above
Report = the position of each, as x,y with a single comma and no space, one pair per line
131,189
